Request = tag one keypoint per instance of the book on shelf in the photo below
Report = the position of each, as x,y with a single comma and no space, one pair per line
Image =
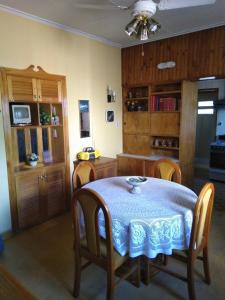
158,103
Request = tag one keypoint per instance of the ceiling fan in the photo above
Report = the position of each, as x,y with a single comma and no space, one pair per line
143,25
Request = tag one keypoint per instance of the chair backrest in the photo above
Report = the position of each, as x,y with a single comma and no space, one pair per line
83,173
202,218
166,169
91,203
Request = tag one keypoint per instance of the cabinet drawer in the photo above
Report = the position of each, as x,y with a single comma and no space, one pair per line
165,123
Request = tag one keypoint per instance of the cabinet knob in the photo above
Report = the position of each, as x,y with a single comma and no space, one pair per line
40,177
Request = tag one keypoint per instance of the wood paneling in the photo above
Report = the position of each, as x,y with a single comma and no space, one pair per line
196,55
206,53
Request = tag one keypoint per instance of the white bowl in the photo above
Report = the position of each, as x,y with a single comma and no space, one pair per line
135,182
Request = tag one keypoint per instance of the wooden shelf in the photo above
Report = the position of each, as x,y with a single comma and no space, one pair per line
166,148
51,125
136,111
165,135
138,98
24,126
164,111
25,167
166,92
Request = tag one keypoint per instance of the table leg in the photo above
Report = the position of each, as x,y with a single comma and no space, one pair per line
147,270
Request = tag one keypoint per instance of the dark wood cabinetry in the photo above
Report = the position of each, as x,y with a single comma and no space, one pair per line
104,166
41,192
163,129
139,165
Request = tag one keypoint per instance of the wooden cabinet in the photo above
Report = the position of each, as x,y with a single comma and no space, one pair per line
54,191
166,129
40,195
42,192
135,165
25,89
104,166
165,123
22,88
136,122
28,199
128,165
49,90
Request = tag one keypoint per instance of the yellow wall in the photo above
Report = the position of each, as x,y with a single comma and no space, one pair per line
89,66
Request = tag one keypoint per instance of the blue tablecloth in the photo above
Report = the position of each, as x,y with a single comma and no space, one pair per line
157,220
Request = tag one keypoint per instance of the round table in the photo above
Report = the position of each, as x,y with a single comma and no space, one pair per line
157,220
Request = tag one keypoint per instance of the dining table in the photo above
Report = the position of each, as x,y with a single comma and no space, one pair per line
155,221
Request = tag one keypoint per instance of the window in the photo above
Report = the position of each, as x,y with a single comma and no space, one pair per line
205,107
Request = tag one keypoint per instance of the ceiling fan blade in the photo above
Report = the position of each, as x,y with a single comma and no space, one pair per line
95,6
123,4
172,4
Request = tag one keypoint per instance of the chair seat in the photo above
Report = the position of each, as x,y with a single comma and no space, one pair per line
117,258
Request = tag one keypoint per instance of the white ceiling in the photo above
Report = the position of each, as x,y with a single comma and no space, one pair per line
107,23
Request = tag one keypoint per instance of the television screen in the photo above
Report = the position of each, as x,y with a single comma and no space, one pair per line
21,114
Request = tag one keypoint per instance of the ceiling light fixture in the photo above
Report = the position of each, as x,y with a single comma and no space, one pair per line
207,78
143,26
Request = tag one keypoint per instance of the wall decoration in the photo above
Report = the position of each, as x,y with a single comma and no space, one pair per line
111,95
110,116
84,118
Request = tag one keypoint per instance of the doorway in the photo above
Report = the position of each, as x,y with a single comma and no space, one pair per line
205,127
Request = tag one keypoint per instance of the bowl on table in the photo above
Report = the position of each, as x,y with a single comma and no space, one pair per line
136,182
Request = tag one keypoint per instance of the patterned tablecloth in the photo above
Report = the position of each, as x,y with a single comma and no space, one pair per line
157,220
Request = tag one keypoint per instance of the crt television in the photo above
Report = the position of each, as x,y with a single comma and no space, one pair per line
21,114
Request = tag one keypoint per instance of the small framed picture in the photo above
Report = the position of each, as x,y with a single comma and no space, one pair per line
109,115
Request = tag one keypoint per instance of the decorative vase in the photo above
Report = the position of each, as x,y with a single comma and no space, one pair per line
32,163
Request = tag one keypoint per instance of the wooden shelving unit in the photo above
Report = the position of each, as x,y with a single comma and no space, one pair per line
163,128
41,192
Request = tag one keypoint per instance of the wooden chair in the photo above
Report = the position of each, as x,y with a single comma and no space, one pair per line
94,248
166,169
83,173
198,241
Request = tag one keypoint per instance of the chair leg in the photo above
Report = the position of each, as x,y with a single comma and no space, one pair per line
206,265
190,280
110,284
146,271
77,277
